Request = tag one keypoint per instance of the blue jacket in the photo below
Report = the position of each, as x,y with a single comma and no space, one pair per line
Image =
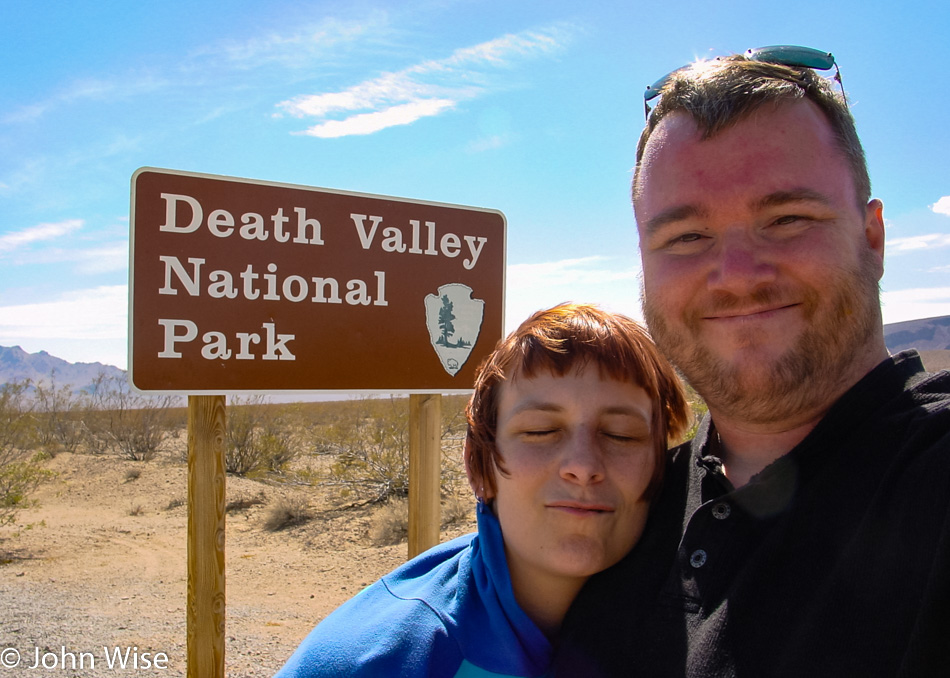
449,612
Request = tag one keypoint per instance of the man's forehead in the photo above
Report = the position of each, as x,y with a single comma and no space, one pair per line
785,139
677,127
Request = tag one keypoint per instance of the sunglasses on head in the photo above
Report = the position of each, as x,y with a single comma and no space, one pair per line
785,55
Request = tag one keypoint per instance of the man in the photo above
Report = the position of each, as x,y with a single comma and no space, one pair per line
805,531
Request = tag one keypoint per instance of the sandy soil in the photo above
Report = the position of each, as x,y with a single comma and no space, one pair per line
101,563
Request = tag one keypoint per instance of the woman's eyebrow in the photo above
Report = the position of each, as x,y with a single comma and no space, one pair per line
625,410
544,406
535,405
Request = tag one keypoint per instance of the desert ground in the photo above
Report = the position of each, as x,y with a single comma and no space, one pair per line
101,563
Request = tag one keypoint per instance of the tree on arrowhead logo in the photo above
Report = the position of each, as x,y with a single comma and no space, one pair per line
454,320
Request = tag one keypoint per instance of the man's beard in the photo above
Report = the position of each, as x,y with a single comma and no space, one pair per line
807,377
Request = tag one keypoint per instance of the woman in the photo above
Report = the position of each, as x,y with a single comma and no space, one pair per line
567,430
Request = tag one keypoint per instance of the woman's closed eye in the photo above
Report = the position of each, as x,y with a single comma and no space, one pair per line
539,432
626,429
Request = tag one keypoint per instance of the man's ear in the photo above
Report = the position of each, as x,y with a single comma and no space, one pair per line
874,230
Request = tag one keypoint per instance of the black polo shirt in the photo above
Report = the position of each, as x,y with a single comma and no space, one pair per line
833,561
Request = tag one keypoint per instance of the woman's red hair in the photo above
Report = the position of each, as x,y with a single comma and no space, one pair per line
557,340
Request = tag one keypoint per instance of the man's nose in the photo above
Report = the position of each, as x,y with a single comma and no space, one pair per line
741,264
582,459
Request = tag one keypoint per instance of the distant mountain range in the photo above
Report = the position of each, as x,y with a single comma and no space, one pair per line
930,336
18,365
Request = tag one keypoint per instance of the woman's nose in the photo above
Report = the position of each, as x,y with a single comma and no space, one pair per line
582,458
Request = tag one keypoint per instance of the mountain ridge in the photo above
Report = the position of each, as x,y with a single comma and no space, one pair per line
18,365
924,334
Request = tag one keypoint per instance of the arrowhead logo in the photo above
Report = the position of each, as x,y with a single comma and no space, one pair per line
454,321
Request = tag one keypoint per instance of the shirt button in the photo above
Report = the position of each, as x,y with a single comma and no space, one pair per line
721,510
698,559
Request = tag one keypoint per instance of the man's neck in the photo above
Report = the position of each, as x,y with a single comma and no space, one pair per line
746,450
747,447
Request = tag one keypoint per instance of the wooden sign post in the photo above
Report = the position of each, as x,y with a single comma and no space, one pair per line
239,286
206,523
425,471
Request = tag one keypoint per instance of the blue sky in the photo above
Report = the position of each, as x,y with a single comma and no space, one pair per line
532,108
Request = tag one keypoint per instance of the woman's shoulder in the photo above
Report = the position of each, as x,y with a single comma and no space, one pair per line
401,623
435,575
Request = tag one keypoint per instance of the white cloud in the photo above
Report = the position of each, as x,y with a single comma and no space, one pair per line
368,123
925,302
611,282
917,242
104,258
295,48
40,232
585,270
489,143
89,325
300,47
428,88
499,50
125,86
942,206
97,313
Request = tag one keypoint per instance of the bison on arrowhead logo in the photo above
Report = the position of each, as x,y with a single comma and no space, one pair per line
454,321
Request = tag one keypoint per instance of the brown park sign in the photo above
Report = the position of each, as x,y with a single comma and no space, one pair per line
251,286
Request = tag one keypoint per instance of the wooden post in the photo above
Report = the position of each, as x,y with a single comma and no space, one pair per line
206,504
425,470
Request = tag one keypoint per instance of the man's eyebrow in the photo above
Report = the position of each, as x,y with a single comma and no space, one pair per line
672,215
679,213
779,198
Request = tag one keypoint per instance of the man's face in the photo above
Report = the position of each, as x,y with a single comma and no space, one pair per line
760,270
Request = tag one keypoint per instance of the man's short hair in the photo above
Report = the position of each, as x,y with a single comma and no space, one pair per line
558,340
721,92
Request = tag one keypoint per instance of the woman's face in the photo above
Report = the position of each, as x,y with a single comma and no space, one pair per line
579,453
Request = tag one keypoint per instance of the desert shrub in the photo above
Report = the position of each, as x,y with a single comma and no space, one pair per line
244,503
119,419
57,412
457,509
288,512
17,428
18,479
390,524
20,469
370,446
257,438
454,424
175,503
